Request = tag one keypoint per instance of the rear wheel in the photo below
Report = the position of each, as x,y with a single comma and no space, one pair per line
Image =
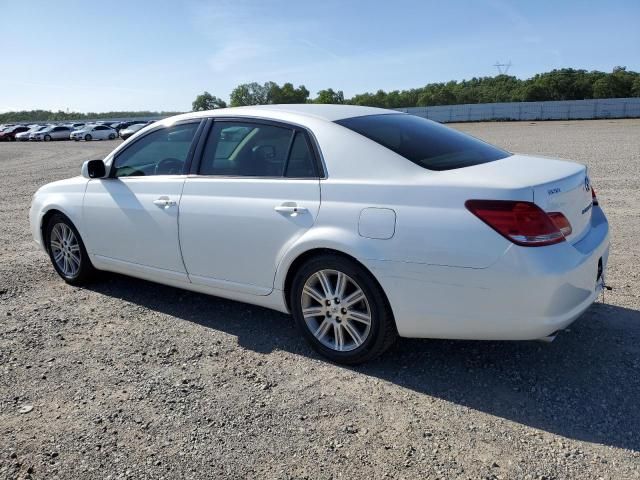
67,252
341,310
112,136
87,137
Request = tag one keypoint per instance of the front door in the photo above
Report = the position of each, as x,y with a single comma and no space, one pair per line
131,218
257,190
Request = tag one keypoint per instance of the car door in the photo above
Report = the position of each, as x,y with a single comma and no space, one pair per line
255,190
61,133
100,132
131,218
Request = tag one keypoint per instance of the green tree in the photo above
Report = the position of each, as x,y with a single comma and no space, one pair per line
251,94
329,96
206,101
287,94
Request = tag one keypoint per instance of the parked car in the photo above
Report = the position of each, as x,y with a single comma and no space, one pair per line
131,129
53,132
24,136
9,134
122,125
363,223
94,132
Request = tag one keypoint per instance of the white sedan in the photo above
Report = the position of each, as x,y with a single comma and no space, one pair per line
24,136
131,129
363,223
94,132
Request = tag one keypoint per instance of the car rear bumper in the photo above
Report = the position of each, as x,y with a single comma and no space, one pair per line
529,293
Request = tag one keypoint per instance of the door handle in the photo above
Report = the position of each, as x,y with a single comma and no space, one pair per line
164,202
290,209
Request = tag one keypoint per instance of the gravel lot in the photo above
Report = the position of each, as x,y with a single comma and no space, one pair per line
128,379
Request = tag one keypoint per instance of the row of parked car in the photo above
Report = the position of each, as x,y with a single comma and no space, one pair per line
70,131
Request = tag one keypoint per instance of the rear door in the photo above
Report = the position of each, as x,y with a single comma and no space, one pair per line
255,192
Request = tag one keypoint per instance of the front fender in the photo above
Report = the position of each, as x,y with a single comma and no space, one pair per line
65,196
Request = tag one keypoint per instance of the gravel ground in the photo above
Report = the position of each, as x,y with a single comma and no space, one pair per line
128,379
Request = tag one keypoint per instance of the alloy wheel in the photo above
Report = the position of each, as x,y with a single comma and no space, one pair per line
65,249
336,310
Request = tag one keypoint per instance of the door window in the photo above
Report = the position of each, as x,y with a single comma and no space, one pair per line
301,163
162,152
246,149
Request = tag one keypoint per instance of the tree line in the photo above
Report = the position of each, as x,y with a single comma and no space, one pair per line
561,84
49,116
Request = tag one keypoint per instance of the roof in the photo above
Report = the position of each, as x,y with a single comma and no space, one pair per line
329,113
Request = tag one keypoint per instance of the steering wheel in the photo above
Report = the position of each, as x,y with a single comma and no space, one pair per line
169,166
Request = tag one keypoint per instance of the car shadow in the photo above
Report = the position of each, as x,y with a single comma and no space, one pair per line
585,385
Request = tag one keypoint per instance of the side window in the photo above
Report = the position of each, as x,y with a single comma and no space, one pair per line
100,128
301,163
163,152
246,149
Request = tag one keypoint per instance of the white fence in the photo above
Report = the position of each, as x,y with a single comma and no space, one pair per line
557,110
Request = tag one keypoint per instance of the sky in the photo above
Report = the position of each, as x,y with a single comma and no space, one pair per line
159,54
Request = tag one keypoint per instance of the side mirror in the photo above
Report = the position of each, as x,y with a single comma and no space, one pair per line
94,169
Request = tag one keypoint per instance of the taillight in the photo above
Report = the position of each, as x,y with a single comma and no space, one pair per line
523,223
594,198
560,221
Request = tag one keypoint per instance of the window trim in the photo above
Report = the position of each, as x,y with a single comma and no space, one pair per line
187,163
318,161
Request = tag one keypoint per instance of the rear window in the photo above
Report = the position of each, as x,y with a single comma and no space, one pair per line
426,143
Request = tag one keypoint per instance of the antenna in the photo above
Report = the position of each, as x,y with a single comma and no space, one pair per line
503,68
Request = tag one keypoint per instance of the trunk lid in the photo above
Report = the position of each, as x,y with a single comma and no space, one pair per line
570,196
554,185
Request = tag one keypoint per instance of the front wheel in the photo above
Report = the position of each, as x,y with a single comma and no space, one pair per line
67,252
112,136
47,138
87,138
341,310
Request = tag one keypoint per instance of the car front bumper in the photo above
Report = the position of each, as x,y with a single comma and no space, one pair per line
529,293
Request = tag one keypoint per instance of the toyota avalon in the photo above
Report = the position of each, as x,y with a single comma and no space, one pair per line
363,223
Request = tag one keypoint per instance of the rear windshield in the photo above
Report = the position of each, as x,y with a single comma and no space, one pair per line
426,143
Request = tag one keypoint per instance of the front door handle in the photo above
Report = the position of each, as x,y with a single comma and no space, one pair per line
164,202
290,209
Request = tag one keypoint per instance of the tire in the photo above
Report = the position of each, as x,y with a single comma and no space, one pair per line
347,333
47,138
112,136
87,138
58,242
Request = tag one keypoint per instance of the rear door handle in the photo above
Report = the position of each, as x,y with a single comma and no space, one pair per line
290,209
164,202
